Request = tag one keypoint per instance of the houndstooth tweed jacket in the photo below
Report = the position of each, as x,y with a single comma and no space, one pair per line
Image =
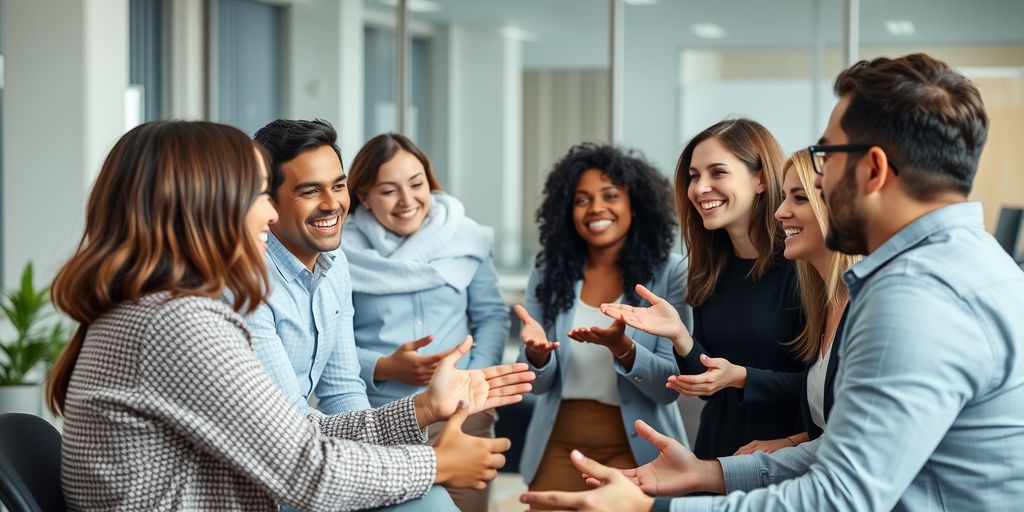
168,409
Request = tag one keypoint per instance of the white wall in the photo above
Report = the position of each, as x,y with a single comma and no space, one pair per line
485,123
324,62
65,78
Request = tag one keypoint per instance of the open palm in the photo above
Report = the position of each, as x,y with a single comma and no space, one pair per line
673,472
480,389
659,319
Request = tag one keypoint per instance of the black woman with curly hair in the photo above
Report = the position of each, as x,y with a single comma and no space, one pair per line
607,224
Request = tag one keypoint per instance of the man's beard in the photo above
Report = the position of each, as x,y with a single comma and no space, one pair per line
845,221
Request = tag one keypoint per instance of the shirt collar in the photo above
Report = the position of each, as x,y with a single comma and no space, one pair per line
288,265
965,214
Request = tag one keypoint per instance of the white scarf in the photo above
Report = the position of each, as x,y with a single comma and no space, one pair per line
446,250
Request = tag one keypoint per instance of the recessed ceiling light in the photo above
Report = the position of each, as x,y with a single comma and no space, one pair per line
518,34
641,2
708,30
900,27
415,5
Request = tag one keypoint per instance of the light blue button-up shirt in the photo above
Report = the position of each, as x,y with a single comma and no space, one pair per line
303,333
929,396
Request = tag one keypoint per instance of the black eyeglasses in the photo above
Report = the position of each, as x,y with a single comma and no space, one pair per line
818,154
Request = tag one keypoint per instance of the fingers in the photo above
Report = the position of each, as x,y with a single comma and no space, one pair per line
591,467
524,316
501,371
456,353
647,295
659,440
557,499
498,445
502,401
713,362
456,420
417,344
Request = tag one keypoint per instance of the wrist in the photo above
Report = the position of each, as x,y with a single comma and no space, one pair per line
682,343
623,349
424,417
441,473
712,477
741,380
382,370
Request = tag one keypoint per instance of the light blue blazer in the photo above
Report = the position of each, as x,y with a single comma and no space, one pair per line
641,390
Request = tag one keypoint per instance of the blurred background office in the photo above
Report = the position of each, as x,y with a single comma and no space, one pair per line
493,90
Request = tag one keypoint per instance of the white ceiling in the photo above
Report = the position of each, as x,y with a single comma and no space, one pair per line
574,32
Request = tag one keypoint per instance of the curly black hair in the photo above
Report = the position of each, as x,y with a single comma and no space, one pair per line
563,252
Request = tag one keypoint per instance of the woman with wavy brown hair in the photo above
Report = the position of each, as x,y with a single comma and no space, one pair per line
743,292
166,406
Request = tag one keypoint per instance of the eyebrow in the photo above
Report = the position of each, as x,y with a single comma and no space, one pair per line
712,165
316,184
609,187
395,183
794,190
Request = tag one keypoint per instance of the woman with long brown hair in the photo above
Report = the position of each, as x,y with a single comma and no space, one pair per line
743,292
165,405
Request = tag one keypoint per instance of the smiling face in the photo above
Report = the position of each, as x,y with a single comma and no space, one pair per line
804,237
721,187
400,198
312,202
601,211
262,213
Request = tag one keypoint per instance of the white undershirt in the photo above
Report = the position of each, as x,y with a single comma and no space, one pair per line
816,388
589,374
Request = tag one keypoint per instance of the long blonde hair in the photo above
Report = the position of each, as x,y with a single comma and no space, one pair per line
818,295
167,213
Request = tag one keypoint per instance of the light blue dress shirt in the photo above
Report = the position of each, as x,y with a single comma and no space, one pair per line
383,322
929,396
303,333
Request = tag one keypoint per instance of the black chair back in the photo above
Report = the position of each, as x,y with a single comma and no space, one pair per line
1008,228
30,464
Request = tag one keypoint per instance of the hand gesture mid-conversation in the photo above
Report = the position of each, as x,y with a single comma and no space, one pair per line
465,461
721,374
405,365
482,389
659,319
538,348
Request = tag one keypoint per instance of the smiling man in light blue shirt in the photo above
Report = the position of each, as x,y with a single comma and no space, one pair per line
303,333
929,397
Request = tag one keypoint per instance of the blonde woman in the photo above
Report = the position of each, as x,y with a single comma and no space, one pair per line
822,291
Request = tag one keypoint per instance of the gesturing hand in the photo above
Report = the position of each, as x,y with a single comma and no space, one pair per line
675,471
465,461
405,365
480,389
659,319
614,492
538,348
613,336
773,445
721,374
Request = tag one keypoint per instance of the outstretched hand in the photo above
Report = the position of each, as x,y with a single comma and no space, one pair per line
465,461
659,319
535,340
480,389
720,374
615,493
675,471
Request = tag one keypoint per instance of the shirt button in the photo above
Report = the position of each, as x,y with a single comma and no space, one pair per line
419,323
638,378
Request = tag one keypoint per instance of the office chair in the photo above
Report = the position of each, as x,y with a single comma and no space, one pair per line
29,464
1008,228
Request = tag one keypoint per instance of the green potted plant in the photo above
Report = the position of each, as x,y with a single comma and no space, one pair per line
35,345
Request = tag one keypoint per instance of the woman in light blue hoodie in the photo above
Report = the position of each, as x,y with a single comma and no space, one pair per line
423,279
